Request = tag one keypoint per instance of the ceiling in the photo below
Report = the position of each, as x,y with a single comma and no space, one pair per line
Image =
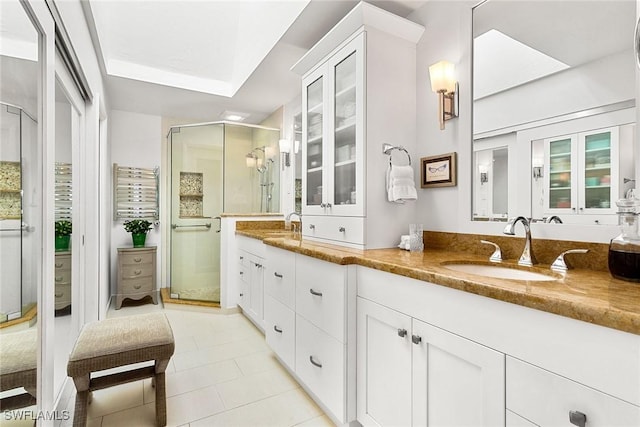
196,59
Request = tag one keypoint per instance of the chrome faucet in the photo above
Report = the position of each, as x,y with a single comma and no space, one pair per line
297,231
527,258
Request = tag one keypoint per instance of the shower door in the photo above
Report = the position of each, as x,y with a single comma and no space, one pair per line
197,171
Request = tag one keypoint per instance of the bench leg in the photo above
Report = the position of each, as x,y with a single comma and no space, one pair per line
82,397
161,400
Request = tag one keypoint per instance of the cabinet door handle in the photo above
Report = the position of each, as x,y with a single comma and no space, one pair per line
137,272
312,227
59,265
59,295
241,258
416,339
341,229
278,330
278,275
59,279
137,286
314,363
577,418
402,333
137,259
329,205
323,205
316,293
241,273
241,294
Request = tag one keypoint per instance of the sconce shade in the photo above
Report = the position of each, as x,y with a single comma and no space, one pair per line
269,152
285,145
442,77
251,160
296,146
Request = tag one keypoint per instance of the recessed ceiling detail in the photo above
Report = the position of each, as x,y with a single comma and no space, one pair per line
205,46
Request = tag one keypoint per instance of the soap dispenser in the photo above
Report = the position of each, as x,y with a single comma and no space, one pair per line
624,250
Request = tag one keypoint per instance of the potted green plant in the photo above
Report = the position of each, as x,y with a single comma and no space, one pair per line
138,229
63,235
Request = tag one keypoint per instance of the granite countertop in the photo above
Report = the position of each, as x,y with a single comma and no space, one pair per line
587,295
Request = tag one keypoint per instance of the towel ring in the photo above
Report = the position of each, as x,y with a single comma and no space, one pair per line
388,148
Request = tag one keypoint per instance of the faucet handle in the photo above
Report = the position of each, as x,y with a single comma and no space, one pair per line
560,264
497,254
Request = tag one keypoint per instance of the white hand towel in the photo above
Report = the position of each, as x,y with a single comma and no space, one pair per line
400,184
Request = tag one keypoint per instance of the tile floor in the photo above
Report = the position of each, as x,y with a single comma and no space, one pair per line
222,374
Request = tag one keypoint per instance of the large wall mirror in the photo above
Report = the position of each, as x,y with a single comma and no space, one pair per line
554,99
20,199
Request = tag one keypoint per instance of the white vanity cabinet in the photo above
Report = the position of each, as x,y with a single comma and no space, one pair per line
250,280
470,360
437,378
310,325
582,172
357,83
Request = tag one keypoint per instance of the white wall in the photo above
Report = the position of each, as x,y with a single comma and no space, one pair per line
135,140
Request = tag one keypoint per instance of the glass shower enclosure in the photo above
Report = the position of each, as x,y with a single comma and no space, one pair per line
216,168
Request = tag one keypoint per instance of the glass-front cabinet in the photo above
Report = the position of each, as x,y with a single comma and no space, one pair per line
581,172
332,134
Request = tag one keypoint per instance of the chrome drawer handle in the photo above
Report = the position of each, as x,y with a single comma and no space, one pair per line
577,418
278,275
241,273
275,328
312,227
137,272
402,333
316,293
328,205
314,363
137,286
341,229
241,295
59,265
137,259
416,339
59,295
323,205
241,258
59,279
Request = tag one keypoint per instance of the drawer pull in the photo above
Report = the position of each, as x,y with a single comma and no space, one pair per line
241,273
316,293
416,339
275,328
577,418
312,227
241,294
137,286
59,295
241,258
137,259
278,275
137,272
59,265
342,229
59,279
314,363
402,333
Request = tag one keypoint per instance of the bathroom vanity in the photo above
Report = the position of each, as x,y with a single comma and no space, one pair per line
432,345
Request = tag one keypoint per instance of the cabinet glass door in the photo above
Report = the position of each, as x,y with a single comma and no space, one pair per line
597,170
344,191
560,173
314,149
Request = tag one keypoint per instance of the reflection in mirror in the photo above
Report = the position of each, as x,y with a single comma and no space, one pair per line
491,183
20,206
557,79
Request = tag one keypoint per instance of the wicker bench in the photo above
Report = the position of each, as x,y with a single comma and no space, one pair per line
119,342
18,368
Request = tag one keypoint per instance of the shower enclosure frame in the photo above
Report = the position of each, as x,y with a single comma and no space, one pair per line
168,201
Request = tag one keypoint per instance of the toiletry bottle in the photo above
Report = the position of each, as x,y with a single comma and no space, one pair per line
624,250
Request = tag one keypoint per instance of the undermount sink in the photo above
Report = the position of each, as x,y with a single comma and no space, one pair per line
499,272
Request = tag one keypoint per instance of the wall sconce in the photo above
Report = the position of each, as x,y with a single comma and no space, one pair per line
285,150
251,160
445,85
484,174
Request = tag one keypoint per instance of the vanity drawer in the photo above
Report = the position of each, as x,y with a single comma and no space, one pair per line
320,364
62,263
137,258
331,227
546,399
279,281
62,295
134,286
280,331
320,294
135,271
62,277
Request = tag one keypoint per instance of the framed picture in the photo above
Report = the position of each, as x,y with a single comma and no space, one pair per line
438,171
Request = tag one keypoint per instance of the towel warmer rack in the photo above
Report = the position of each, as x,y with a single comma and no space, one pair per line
388,148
